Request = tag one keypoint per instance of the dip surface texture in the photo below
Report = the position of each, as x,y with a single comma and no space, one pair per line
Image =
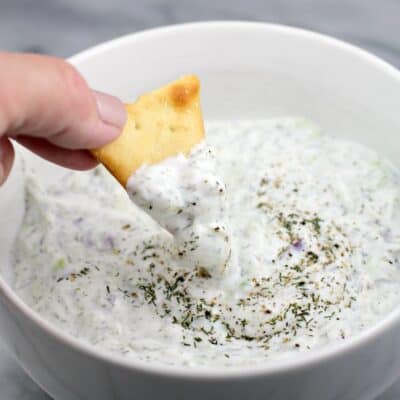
311,256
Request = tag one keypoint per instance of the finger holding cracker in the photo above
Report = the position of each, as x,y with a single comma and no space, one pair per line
160,124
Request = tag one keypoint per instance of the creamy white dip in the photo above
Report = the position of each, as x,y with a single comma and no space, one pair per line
187,197
305,254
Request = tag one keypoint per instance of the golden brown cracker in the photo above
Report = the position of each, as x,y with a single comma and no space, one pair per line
160,124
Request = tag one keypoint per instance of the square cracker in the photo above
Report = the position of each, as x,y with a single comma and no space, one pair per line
160,124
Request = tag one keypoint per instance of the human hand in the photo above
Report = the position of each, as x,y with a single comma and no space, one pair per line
47,106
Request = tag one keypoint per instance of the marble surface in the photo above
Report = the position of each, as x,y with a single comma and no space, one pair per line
64,27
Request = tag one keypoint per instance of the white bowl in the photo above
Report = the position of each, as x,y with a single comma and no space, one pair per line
248,70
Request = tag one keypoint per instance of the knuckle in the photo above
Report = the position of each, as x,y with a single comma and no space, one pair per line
80,97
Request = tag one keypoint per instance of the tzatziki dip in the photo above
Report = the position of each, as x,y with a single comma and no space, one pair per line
270,240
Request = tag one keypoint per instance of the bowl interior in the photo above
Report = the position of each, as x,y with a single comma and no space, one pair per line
257,71
248,71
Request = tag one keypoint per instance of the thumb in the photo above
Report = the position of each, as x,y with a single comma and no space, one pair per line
47,106
46,97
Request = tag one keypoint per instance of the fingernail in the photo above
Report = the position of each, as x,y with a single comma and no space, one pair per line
110,108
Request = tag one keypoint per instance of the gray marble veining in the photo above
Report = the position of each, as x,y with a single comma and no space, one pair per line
64,27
